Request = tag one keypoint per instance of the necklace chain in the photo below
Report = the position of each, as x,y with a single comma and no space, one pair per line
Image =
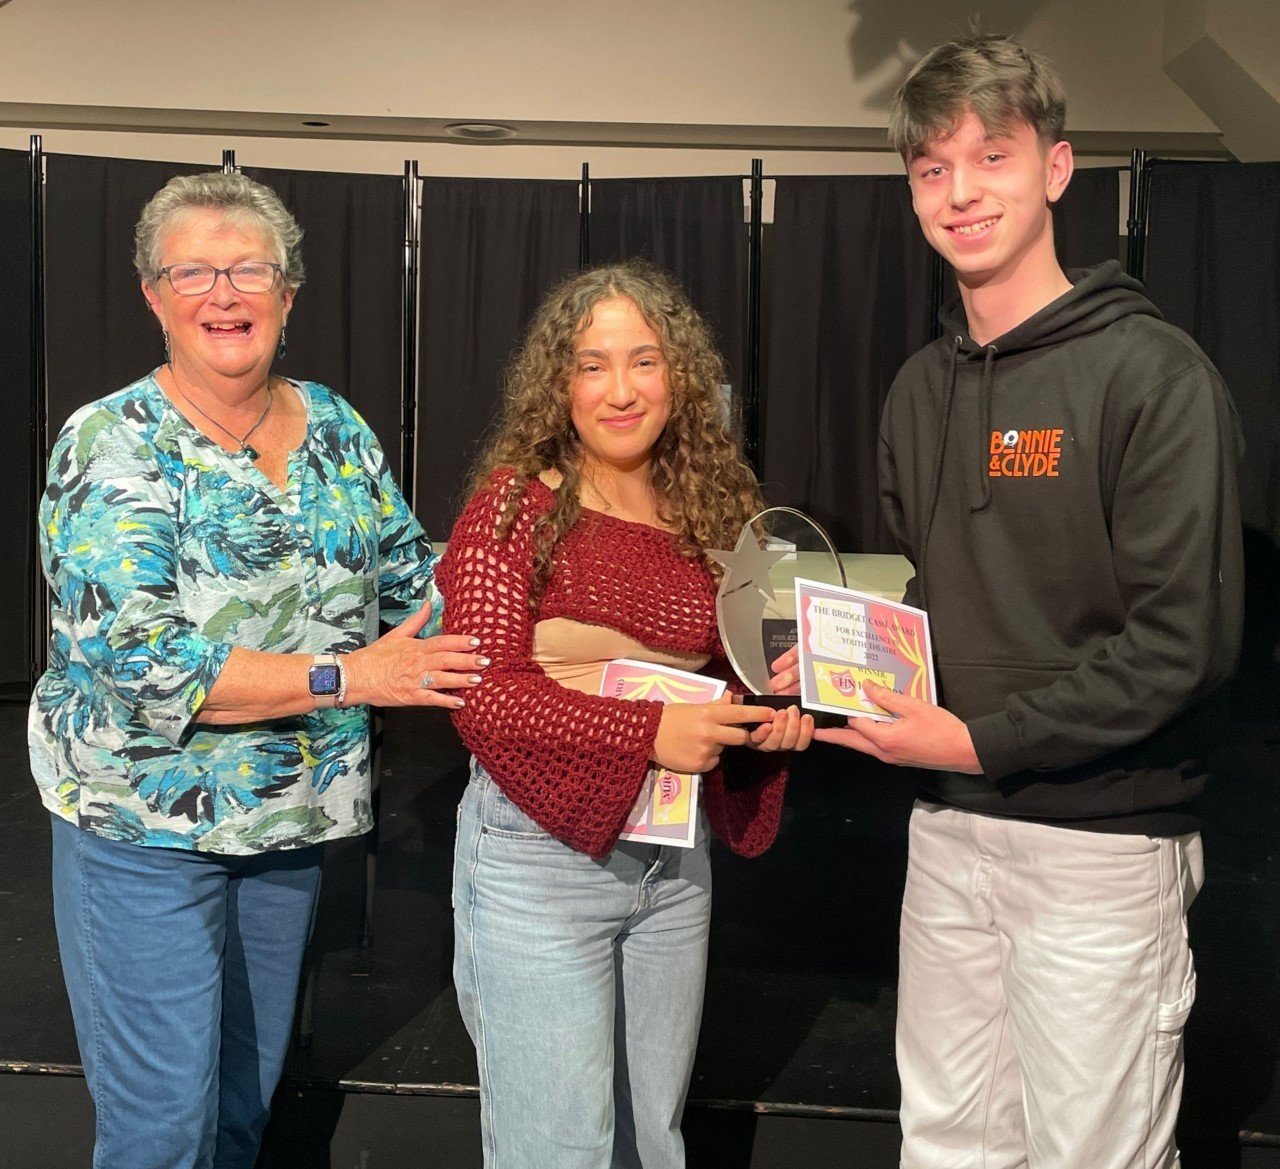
244,442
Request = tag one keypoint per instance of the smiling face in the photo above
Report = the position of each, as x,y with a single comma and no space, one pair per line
983,201
619,393
224,332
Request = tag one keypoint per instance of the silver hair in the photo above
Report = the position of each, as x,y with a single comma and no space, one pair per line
241,201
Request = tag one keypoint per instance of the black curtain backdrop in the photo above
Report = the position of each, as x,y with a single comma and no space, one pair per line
17,527
100,335
1213,269
693,228
851,301
490,250
1086,220
345,328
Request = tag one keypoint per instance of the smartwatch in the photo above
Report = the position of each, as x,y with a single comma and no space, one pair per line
326,680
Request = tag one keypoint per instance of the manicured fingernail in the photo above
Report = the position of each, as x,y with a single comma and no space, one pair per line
474,679
482,662
475,641
458,703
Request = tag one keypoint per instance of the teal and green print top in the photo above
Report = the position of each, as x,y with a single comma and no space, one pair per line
163,552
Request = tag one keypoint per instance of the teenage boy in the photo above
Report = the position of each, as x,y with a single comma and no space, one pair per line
1059,467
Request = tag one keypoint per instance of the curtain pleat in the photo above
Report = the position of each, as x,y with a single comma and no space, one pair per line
849,286
346,324
693,228
17,523
490,250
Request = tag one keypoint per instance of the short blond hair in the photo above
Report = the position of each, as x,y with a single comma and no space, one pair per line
992,76
240,200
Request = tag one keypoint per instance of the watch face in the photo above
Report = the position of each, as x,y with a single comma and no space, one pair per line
323,679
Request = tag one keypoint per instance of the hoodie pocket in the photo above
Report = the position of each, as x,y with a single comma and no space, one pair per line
971,688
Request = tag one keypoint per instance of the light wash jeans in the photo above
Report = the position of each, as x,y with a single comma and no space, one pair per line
1045,979
580,982
182,968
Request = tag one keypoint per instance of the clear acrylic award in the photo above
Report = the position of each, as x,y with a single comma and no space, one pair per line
756,602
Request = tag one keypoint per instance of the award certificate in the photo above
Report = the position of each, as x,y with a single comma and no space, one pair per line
666,811
848,638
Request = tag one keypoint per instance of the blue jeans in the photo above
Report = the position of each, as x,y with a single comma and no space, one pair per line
182,968
580,982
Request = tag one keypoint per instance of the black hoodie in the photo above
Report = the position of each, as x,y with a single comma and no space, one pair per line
1067,495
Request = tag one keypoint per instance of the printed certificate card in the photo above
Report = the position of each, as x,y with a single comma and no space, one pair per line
666,811
848,638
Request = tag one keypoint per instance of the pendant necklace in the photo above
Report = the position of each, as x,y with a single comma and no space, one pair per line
245,448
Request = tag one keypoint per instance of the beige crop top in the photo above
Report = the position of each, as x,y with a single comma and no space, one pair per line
575,653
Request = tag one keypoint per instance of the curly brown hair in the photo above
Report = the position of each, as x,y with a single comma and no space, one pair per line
704,488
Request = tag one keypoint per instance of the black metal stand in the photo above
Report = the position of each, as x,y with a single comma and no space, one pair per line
37,592
408,438
228,162
584,218
937,290
409,270
752,423
1139,189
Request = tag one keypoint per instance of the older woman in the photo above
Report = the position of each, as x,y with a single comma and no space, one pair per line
579,958
222,545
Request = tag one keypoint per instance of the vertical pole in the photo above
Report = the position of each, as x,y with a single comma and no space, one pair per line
752,422
584,218
1139,176
228,162
38,599
409,271
937,290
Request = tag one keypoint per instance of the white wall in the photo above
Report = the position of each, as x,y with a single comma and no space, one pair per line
508,161
734,62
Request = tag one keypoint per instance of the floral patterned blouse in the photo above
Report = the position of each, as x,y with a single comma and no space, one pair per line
163,551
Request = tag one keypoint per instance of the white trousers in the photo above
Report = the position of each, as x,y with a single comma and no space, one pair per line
1045,978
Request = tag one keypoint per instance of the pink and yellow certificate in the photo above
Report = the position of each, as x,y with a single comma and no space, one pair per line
848,638
666,811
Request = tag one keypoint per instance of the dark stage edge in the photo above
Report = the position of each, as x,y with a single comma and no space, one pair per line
795,1064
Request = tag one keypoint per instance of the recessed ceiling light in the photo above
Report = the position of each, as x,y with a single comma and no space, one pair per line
317,123
480,131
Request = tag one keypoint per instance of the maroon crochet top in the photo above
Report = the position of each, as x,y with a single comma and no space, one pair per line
575,762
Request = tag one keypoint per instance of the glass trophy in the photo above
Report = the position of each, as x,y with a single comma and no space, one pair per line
756,603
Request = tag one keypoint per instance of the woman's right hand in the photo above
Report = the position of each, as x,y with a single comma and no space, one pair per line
691,736
395,669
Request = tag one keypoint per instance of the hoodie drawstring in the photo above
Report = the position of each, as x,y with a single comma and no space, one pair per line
938,453
984,425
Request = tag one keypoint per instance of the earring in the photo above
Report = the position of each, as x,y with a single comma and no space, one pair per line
281,348
168,356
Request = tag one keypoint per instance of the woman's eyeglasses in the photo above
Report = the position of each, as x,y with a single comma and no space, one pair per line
197,279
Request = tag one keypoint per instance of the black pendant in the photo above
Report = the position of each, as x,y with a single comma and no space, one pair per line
248,450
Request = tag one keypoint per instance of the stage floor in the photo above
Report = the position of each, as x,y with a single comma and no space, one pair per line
801,987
